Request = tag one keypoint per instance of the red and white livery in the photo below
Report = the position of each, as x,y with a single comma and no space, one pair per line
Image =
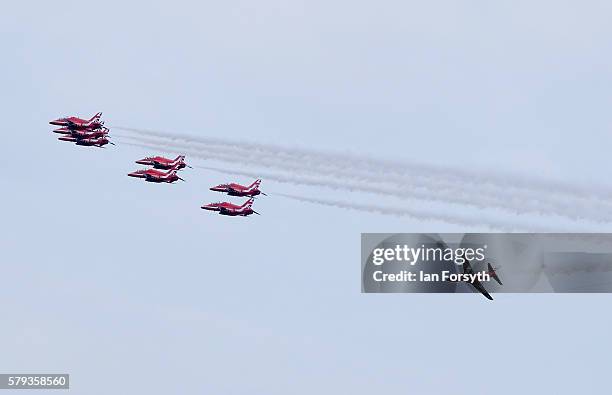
159,162
230,209
88,141
84,133
152,175
75,123
234,189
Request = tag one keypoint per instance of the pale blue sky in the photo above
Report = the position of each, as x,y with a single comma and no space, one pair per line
128,285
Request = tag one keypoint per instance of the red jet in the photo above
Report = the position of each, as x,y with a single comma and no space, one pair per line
232,210
152,175
88,134
83,132
239,190
72,123
159,162
88,142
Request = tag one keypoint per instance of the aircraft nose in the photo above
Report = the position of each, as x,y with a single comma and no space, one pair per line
216,189
142,162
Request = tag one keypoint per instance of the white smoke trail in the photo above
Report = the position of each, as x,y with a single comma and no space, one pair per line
308,181
495,224
419,214
408,185
296,180
320,179
378,166
502,190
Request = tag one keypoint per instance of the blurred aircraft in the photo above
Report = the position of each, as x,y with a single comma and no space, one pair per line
467,269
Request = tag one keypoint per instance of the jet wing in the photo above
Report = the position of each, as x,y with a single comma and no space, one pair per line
467,268
480,288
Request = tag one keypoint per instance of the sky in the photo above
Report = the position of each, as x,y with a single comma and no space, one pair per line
131,288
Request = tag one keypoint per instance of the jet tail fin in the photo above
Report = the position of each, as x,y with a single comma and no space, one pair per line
254,185
96,117
493,274
248,203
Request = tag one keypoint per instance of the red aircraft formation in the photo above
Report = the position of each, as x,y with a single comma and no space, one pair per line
226,208
91,132
159,162
84,132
